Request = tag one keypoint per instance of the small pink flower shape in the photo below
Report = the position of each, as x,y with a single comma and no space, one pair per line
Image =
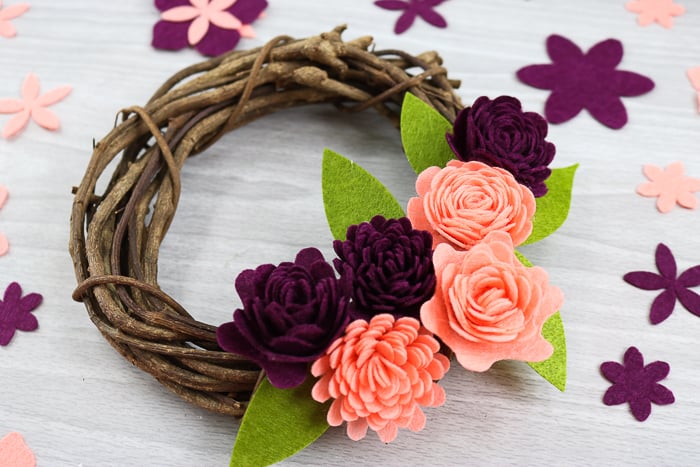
671,187
4,244
379,374
465,201
14,452
661,11
488,306
7,29
32,105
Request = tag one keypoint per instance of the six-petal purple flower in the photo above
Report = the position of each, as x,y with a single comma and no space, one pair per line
15,312
413,9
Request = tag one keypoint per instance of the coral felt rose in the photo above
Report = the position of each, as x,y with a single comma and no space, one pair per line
291,314
379,373
498,133
488,306
465,201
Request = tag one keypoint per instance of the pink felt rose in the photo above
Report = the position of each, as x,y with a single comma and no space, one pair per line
463,202
488,306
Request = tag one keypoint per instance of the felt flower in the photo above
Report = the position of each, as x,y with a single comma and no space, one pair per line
7,29
390,266
379,374
211,26
661,11
585,81
413,9
636,384
463,202
15,312
32,105
694,78
4,244
291,314
14,452
488,306
674,288
498,133
671,187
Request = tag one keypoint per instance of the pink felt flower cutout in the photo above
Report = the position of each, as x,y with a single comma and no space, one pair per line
32,105
4,244
671,187
694,77
7,29
14,452
661,11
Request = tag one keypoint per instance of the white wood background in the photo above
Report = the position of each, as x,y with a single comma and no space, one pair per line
256,198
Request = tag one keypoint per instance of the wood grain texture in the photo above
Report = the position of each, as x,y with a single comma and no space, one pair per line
77,402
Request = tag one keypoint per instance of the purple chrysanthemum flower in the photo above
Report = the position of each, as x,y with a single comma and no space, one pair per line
390,266
291,314
15,312
637,384
498,133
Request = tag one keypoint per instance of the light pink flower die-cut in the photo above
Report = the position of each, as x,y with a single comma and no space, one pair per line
204,13
671,187
14,452
32,106
7,29
661,11
4,244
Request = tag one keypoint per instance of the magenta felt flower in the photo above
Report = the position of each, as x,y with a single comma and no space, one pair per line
211,26
413,9
15,312
585,81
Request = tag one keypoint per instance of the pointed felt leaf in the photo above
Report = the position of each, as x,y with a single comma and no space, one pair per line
351,195
423,132
553,208
277,424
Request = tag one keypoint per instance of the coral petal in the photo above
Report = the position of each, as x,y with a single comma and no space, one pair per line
30,87
197,30
4,245
11,106
357,429
15,452
54,96
46,118
13,11
180,14
4,194
225,20
7,29
15,124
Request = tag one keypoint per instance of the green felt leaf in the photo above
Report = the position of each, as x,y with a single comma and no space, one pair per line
351,195
423,132
277,424
553,208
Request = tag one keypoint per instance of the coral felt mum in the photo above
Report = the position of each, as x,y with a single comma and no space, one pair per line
488,306
463,202
379,373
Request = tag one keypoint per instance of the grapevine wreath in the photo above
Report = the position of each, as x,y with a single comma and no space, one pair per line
363,339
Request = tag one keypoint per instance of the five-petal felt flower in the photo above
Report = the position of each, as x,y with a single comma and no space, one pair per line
488,306
379,374
211,26
671,187
4,244
636,384
32,105
674,288
291,314
7,29
585,81
15,312
411,10
661,11
461,203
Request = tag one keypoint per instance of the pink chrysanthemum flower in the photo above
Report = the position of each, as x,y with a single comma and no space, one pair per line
379,373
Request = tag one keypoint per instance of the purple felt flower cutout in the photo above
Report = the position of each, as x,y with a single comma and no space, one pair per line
585,81
15,312
674,288
211,26
413,9
637,384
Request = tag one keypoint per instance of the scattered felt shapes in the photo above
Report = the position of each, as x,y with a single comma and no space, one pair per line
7,29
32,106
4,243
14,452
413,9
636,384
661,11
674,287
588,81
210,26
694,77
16,312
670,186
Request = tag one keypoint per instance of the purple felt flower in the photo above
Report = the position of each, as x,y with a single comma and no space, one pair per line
413,9
585,81
674,288
637,384
211,26
291,314
498,133
390,266
15,312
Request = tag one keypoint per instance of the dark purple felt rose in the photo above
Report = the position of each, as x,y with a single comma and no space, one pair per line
498,133
390,266
291,314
